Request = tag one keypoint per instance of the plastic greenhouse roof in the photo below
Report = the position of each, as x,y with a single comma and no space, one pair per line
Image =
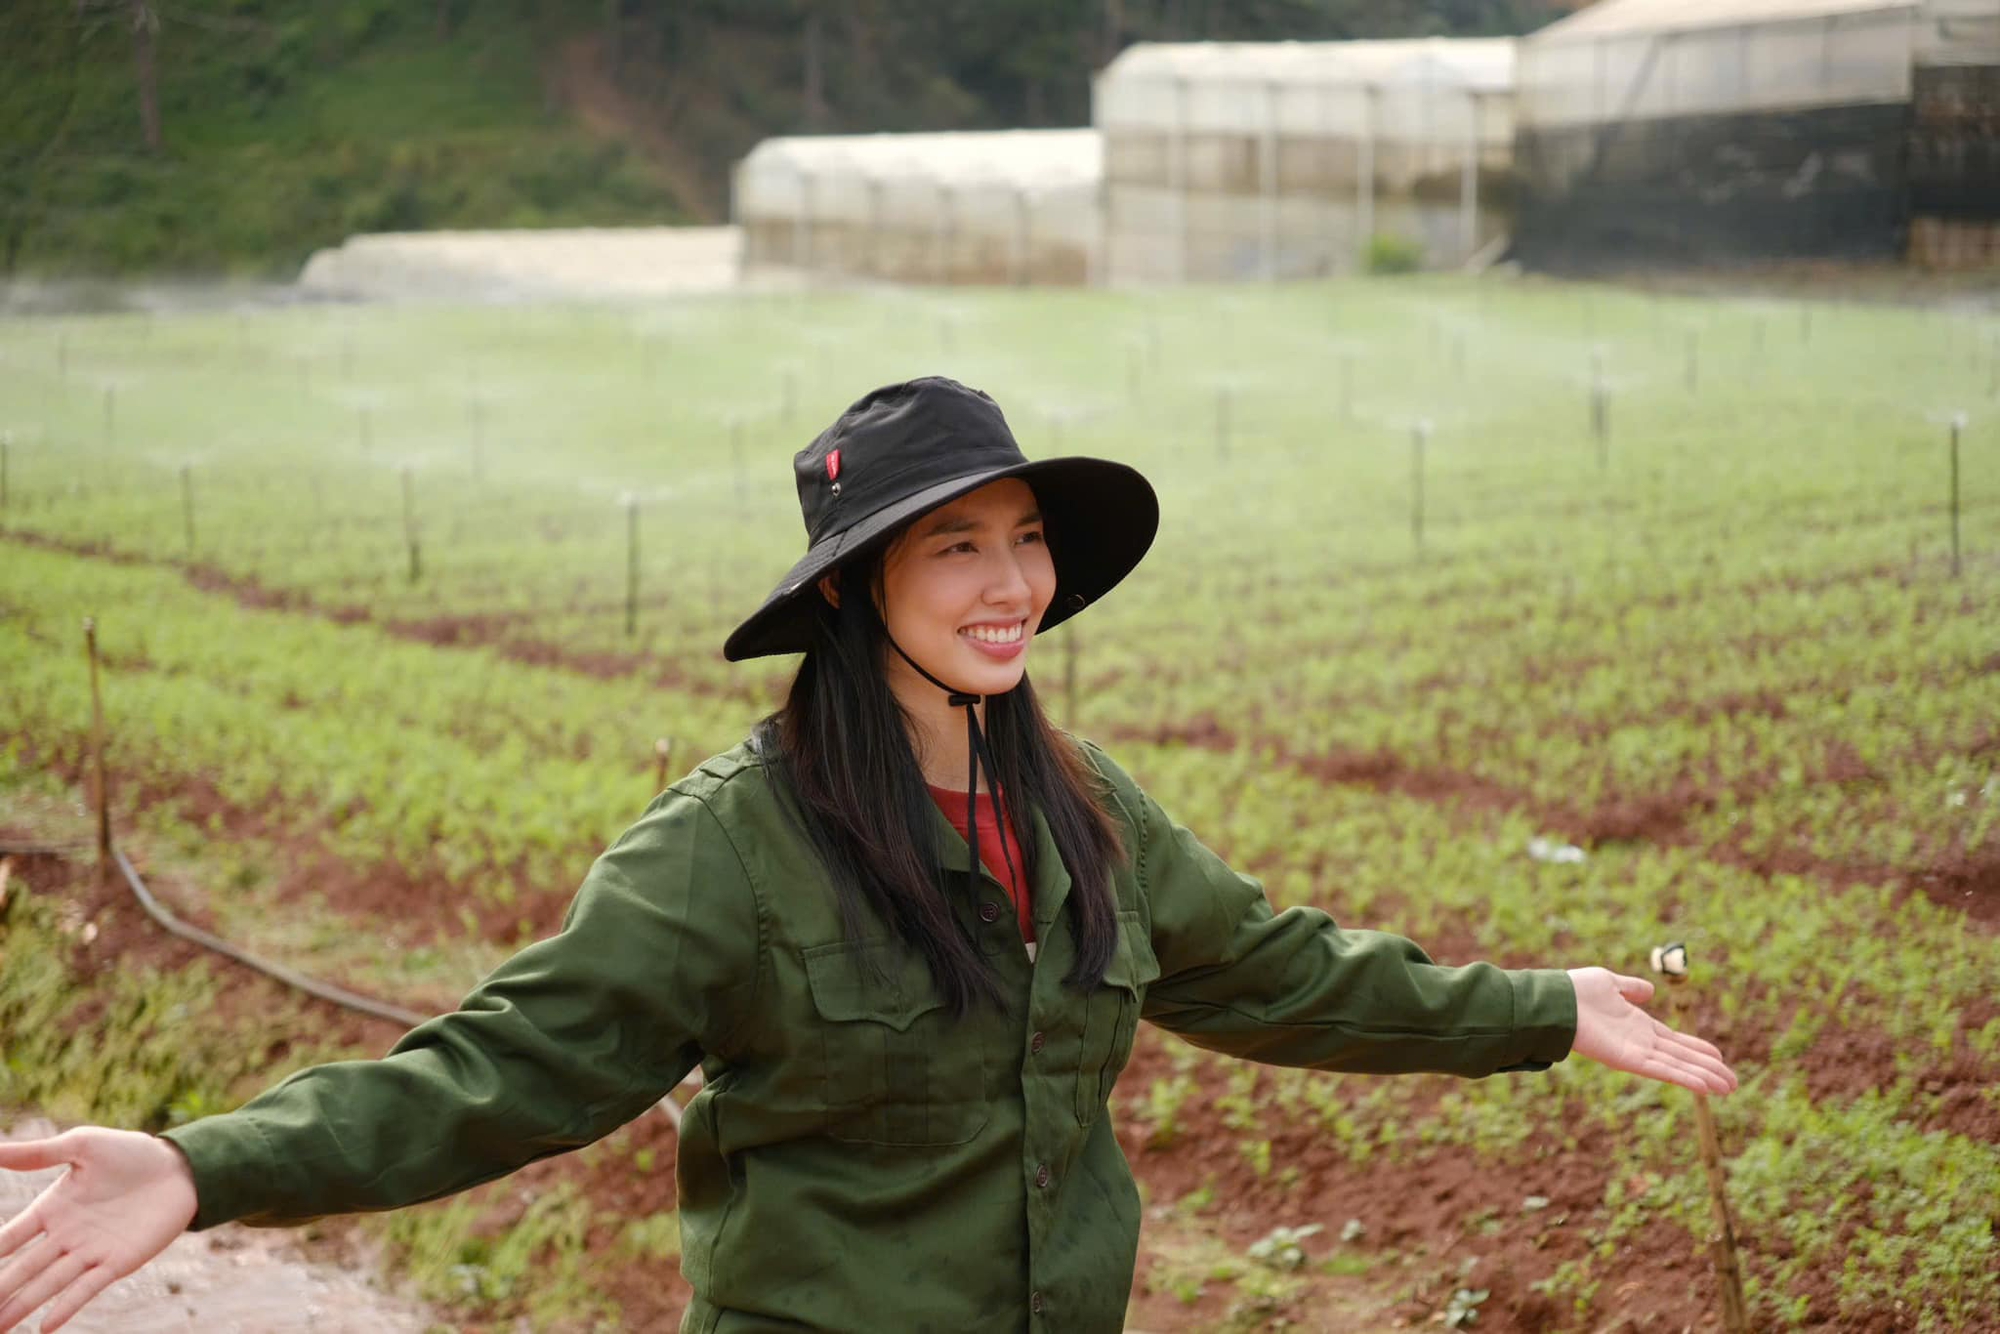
1480,62
1012,157
1615,18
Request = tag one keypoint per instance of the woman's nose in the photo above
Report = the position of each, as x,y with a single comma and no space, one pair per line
1007,582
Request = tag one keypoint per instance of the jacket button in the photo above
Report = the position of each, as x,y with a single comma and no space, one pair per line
989,912
1035,1302
1036,1042
1042,1175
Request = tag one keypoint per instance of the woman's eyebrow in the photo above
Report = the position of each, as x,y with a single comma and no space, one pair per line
963,525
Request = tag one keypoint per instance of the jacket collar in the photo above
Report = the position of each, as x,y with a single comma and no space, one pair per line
1051,887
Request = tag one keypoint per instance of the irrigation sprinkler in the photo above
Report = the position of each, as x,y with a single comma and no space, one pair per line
663,747
1957,429
100,784
410,524
1805,323
1347,385
1672,962
62,356
1600,421
736,455
1420,436
475,413
110,416
632,566
1224,401
6,448
1691,360
187,506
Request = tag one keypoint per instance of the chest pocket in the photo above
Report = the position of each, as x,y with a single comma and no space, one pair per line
892,1069
1111,1017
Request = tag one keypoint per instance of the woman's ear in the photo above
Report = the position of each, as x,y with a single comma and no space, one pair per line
829,588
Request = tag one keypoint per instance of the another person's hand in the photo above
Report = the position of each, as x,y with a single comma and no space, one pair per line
1613,1030
124,1198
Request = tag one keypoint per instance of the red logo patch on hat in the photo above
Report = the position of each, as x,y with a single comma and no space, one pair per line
833,466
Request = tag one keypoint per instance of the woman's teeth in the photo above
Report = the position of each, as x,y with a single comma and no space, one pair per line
994,634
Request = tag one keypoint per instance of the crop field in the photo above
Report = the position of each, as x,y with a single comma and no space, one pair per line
1540,623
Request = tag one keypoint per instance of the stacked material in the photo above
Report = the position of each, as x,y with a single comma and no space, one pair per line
581,263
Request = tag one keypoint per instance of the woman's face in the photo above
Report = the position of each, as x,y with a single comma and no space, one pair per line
964,588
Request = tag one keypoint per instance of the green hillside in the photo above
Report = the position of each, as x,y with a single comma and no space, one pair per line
283,126
286,127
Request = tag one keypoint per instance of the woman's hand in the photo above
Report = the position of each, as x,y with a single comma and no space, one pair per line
1612,1029
124,1198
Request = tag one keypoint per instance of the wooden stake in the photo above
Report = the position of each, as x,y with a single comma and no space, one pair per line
1600,422
410,525
187,507
1419,438
662,748
6,445
1671,960
631,567
1957,427
100,783
1069,677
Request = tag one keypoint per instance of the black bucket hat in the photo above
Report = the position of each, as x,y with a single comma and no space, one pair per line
905,449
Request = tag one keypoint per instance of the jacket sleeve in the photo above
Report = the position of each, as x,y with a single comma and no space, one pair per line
1293,988
656,964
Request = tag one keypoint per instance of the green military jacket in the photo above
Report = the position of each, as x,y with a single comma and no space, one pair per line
857,1160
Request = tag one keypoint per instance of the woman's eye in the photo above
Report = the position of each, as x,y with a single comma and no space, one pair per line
1032,537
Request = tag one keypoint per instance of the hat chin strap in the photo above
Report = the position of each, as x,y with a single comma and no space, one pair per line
980,754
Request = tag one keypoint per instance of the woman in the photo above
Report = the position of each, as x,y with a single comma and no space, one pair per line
907,929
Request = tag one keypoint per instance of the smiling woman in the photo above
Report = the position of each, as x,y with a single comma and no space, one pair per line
903,1124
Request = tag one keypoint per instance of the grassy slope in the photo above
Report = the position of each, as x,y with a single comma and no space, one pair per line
286,128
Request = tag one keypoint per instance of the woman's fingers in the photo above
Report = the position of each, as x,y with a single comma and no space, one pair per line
66,1270
32,1155
27,1262
95,1280
1635,989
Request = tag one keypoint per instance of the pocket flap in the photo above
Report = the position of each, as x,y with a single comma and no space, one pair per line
877,980
1133,963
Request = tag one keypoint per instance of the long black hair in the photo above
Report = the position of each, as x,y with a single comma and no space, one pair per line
841,750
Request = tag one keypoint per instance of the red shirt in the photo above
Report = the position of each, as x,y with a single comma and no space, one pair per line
952,802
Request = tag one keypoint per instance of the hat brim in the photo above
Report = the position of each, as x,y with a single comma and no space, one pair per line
1101,518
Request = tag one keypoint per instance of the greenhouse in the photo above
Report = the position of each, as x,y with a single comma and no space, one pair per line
1699,130
1288,159
1010,206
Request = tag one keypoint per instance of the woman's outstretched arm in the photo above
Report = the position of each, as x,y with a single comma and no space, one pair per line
656,965
125,1197
1294,988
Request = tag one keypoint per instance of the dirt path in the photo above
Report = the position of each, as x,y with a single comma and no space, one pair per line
230,1280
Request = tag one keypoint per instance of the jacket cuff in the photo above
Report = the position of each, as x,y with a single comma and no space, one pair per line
229,1157
1544,1018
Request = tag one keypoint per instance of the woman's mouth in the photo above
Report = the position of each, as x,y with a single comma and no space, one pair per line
997,641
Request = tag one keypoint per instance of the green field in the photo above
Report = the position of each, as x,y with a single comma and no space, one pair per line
1721,649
